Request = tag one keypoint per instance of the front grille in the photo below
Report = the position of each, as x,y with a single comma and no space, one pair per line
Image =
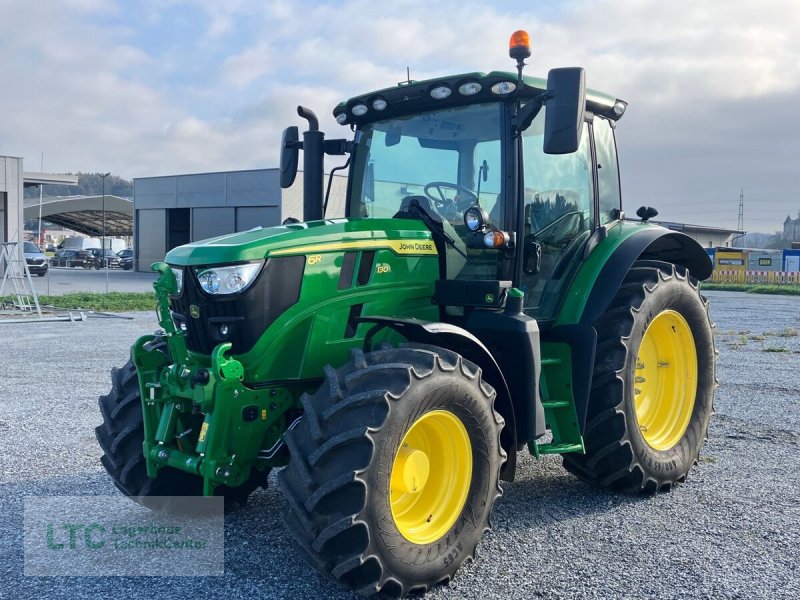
35,261
246,315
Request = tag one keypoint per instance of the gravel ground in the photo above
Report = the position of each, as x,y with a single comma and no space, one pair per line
732,531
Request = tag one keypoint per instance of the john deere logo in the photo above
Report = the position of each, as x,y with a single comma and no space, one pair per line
194,310
489,298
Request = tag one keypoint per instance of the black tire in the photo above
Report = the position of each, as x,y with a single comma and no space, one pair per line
618,456
121,436
342,452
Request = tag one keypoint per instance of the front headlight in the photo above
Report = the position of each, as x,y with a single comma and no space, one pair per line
232,279
178,273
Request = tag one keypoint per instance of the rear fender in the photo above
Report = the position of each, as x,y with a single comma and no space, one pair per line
470,347
609,262
602,275
657,244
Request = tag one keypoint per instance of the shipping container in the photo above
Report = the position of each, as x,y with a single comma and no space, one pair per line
764,260
791,260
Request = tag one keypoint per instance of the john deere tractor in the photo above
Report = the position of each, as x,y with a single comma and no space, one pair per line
484,294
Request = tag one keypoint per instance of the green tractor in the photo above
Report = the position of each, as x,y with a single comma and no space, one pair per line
483,294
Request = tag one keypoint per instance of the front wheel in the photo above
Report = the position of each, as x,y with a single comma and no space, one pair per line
394,469
653,383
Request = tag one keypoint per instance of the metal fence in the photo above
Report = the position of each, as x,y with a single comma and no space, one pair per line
756,277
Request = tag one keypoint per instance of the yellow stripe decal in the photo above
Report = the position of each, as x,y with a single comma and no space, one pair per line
424,247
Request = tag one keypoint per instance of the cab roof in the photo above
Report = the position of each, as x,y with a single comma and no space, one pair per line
414,96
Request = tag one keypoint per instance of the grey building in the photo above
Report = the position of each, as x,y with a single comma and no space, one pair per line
13,180
11,185
177,209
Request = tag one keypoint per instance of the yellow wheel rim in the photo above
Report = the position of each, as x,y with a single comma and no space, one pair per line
666,380
431,474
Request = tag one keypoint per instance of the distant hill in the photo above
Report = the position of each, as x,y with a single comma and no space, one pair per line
762,240
89,184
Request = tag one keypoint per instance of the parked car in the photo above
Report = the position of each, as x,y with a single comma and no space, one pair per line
37,261
75,258
126,257
108,257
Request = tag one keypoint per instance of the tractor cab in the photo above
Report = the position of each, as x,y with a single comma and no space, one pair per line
512,174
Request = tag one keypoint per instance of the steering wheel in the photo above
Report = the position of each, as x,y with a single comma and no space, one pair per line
442,201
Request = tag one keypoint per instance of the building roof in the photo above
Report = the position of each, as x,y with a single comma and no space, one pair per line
697,228
30,179
85,214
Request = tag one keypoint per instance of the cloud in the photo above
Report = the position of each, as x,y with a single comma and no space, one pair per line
244,68
195,85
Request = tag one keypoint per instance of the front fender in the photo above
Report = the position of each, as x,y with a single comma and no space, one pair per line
470,347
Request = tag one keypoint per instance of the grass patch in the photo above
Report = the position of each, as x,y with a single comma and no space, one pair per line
110,302
779,290
775,349
788,332
708,459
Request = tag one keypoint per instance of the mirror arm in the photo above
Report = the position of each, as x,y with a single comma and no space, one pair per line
523,119
338,147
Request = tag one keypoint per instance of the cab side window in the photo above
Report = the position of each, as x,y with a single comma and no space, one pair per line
558,217
607,170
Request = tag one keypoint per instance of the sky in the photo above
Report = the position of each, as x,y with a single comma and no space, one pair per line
161,87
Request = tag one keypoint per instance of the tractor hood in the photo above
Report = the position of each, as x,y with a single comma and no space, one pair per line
302,238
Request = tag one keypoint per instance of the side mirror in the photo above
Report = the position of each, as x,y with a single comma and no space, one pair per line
290,150
566,103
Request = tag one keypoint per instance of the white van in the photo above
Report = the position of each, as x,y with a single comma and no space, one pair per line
79,243
87,243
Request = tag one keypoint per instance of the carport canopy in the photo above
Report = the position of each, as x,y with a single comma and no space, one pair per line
84,214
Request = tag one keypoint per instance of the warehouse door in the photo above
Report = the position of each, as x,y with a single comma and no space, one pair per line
177,227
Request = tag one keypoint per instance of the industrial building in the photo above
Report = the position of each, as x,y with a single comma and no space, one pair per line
13,180
177,209
11,184
708,237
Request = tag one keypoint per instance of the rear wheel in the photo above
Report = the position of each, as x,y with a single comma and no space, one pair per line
121,436
653,383
394,469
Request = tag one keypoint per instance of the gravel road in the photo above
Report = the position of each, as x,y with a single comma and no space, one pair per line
733,530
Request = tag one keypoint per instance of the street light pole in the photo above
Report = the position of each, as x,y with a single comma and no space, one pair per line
103,244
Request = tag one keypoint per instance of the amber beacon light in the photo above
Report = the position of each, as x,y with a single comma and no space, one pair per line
519,47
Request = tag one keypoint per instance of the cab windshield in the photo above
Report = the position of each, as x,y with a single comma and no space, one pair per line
451,157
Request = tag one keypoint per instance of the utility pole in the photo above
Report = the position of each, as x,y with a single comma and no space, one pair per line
41,185
103,244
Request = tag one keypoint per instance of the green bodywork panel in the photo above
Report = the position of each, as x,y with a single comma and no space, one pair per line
216,428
